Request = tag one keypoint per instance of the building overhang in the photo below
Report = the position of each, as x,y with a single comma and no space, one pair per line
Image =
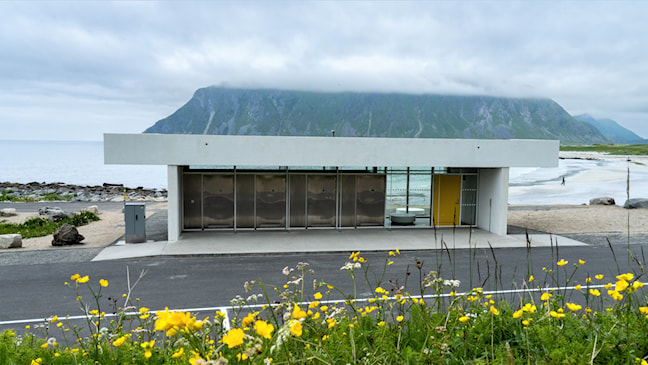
188,150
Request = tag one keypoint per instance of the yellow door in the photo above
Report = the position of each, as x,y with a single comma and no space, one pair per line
447,193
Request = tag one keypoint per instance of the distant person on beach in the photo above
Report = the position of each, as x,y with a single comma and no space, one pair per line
563,181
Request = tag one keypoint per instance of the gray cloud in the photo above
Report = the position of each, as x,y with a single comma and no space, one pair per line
92,67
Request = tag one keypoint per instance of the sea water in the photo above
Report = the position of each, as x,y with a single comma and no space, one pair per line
72,162
81,163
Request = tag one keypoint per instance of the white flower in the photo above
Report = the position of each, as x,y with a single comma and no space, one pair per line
452,283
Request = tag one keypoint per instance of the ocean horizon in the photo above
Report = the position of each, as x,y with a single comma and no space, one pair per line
82,163
72,162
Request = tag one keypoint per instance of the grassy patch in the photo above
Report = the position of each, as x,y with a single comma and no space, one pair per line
617,149
6,197
38,227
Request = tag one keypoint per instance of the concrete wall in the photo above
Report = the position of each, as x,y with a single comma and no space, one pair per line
169,149
492,200
174,198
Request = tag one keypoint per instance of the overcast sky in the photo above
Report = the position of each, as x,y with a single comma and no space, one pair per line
75,70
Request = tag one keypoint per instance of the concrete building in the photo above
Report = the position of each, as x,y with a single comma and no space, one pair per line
261,183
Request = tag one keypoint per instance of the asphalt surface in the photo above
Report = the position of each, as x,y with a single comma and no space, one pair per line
32,285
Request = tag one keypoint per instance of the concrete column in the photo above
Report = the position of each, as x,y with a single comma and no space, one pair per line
174,192
492,206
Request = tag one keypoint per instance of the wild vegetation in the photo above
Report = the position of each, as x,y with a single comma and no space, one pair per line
7,196
38,227
548,318
611,149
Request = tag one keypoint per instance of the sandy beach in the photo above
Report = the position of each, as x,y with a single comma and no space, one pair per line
97,234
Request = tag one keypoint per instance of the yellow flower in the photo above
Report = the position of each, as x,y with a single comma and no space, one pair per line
582,262
464,319
577,287
54,319
562,262
555,314
296,328
494,310
143,310
263,329
545,296
297,313
324,308
620,285
637,284
248,320
599,277
147,346
120,341
643,310
525,322
37,361
625,277
607,286
75,277
595,292
517,314
380,290
103,282
83,280
615,295
588,280
529,308
382,323
391,253
400,318
354,256
178,353
361,259
241,357
317,296
573,307
531,278
233,338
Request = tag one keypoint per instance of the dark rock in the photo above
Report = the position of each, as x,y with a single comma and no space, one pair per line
66,235
602,201
636,203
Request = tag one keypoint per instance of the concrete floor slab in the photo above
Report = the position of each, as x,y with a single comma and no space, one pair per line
321,240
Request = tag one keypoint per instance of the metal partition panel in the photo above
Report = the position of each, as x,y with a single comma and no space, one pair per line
270,201
371,200
321,200
468,199
244,201
298,200
348,201
218,201
192,201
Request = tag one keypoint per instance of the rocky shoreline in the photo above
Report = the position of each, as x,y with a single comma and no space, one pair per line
35,191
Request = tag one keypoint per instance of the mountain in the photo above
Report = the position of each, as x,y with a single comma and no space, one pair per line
217,110
611,130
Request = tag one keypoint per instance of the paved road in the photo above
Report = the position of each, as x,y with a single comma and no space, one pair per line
37,291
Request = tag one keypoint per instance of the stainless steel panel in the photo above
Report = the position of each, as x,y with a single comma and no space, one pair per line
218,201
347,201
371,200
321,200
244,201
468,199
192,201
298,200
270,201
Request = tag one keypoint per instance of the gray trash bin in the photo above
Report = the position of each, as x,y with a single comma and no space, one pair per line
135,216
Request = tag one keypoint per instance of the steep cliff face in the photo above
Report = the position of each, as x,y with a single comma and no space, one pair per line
215,110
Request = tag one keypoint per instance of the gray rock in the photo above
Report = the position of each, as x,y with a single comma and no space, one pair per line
602,201
636,203
49,210
66,235
92,209
10,240
7,212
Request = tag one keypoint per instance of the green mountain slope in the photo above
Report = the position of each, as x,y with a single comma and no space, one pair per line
216,110
612,130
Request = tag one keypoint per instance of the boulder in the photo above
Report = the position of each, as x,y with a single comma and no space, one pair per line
602,201
636,203
55,214
7,212
92,209
66,235
10,240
